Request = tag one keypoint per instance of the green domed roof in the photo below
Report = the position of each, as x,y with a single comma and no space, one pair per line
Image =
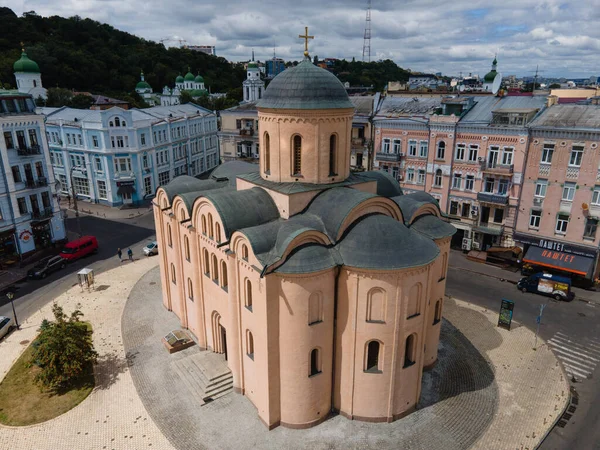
489,77
179,79
252,65
199,79
305,86
26,65
189,76
142,85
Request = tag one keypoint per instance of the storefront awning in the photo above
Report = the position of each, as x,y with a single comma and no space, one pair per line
580,265
489,230
125,189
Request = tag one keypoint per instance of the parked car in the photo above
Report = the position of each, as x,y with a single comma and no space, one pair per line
79,248
46,266
151,249
547,284
5,323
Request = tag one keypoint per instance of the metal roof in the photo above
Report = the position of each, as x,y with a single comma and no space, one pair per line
482,111
407,106
569,116
433,227
363,104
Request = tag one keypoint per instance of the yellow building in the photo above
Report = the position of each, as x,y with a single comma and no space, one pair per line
323,289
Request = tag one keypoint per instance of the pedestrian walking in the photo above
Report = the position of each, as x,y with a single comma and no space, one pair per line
120,254
130,254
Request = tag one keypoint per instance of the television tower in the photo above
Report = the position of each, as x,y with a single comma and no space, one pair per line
367,41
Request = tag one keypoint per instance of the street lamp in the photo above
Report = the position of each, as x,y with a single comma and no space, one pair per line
75,200
10,296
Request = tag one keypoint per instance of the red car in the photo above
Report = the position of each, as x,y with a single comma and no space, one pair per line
79,248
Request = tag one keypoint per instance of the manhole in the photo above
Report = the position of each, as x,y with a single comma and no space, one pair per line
102,287
25,342
152,283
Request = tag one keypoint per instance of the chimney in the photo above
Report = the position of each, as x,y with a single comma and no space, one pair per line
551,100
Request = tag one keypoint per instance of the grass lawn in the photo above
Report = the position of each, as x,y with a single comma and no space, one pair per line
22,402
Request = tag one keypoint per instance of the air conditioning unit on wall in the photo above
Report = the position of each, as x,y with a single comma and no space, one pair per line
474,211
475,245
538,201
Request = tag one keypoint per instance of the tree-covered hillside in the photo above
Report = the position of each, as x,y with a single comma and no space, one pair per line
86,55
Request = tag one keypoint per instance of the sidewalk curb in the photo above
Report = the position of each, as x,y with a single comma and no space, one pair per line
104,216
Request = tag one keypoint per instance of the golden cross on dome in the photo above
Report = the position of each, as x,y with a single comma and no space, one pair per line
22,46
306,37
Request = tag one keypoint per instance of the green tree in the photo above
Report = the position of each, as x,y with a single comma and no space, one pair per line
555,86
59,97
81,101
185,97
63,351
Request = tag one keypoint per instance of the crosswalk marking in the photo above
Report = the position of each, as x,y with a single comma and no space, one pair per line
579,358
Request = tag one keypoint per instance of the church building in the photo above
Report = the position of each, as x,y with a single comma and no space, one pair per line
323,289
29,77
253,86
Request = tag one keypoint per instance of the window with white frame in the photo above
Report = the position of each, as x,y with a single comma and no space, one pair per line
143,139
540,188
98,163
412,148
77,161
568,193
58,159
102,194
576,156
395,172
437,181
562,221
147,186
385,146
591,225
79,140
81,186
410,175
145,161
503,187
423,149
95,142
163,178
397,146
534,218
421,176
547,153
507,156
441,150
457,181
473,150
122,164
460,152
596,196
62,179
469,182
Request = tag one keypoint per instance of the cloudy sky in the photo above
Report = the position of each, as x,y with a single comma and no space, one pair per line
563,38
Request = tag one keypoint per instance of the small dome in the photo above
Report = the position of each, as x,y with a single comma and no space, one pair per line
26,65
199,79
189,76
305,86
142,85
252,65
179,79
489,77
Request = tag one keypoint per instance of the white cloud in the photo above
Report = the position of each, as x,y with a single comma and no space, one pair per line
461,36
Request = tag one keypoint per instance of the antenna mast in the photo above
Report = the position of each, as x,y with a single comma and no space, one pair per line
367,41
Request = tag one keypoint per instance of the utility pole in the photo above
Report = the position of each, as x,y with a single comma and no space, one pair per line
366,56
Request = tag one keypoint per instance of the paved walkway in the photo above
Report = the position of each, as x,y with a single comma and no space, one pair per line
112,417
105,212
489,390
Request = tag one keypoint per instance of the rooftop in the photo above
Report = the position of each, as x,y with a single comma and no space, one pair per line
481,112
407,106
585,117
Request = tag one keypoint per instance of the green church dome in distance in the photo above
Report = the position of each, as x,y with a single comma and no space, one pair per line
26,65
199,79
489,77
142,85
179,79
305,86
189,76
252,65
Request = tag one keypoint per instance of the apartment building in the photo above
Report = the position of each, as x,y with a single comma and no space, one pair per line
238,135
30,218
119,157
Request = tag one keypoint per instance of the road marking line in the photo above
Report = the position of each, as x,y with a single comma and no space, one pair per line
558,344
572,371
573,347
570,361
591,342
583,361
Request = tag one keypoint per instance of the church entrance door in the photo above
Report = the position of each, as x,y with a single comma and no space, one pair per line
224,341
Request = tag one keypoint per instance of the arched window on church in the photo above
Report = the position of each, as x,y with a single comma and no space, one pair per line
206,263
373,360
413,307
224,275
169,235
249,344
332,155
173,274
215,269
437,317
297,155
244,252
267,155
203,224
248,294
210,226
315,362
410,350
190,290
117,122
218,230
186,244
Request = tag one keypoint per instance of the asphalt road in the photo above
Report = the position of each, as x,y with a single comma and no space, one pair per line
576,321
135,233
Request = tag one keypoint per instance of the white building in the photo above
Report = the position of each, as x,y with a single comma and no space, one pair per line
29,78
253,86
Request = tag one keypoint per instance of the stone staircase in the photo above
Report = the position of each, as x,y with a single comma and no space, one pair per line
205,374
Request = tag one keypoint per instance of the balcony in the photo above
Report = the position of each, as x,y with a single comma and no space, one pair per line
247,132
41,214
496,168
358,142
388,157
495,229
29,151
495,199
